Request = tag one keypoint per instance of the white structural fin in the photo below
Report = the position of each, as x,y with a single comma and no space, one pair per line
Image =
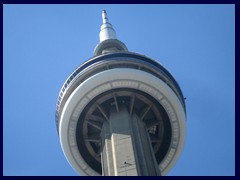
107,31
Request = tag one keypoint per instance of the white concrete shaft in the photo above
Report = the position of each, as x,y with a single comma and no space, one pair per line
117,141
126,147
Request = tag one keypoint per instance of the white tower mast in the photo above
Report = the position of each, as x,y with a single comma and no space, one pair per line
107,31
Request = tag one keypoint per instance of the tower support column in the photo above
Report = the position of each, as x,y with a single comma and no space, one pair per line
126,146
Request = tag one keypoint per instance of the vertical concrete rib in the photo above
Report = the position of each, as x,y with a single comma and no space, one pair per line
147,162
128,145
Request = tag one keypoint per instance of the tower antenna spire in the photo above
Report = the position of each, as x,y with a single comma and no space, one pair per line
108,38
104,17
107,31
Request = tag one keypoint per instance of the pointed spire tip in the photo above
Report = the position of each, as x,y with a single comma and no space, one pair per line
104,16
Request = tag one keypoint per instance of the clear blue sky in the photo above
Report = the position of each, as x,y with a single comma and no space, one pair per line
43,44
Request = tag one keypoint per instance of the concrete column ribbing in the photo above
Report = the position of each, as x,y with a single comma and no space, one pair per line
126,147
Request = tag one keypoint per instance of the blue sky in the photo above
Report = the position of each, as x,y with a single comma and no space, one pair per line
43,44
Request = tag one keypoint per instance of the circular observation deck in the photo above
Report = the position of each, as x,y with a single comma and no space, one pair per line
117,80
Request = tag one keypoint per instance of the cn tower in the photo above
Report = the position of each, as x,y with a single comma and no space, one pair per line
120,113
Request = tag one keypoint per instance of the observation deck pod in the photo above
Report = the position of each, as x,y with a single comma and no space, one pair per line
111,83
